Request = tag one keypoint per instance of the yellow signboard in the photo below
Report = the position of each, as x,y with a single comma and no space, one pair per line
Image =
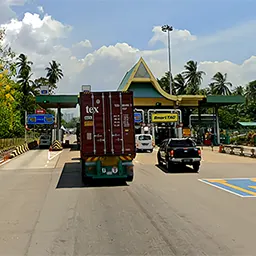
164,118
88,123
186,132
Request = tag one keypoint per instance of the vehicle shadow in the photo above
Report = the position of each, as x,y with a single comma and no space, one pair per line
177,170
74,147
71,178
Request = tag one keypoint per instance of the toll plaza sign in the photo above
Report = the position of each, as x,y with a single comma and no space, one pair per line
164,118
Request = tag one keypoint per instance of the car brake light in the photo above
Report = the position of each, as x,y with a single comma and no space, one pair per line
171,153
199,152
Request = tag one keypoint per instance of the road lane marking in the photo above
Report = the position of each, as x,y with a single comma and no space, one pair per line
243,187
5,162
49,155
213,185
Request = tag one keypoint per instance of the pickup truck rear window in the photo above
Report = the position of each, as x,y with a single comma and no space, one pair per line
182,143
144,137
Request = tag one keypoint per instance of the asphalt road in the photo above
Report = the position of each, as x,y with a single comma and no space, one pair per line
45,209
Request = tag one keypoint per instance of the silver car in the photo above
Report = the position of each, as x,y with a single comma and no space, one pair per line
144,142
45,141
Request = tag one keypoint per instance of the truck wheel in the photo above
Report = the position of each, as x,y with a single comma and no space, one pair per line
169,166
159,160
196,167
86,180
129,178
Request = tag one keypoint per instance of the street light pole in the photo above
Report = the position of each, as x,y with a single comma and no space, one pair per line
168,29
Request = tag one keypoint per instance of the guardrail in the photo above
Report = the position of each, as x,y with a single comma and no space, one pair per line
6,144
238,150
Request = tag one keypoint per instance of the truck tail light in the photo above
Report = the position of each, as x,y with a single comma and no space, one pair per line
171,153
199,152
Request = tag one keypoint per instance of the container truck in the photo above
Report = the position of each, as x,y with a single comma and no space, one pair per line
107,138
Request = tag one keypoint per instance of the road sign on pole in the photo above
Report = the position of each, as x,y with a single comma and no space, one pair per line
40,119
137,117
40,111
86,88
44,90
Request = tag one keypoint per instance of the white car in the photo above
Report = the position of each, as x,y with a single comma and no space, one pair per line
45,141
144,142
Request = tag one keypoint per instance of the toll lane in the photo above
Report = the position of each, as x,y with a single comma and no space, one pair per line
160,213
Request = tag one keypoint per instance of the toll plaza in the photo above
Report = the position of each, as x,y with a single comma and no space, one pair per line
57,102
164,115
156,111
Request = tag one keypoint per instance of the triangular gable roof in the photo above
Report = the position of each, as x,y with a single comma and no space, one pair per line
140,72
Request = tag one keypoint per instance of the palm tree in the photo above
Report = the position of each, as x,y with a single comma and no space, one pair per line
24,79
239,90
164,82
250,91
180,84
193,76
24,65
54,72
220,84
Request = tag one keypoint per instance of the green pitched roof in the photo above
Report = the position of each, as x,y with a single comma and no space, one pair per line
126,78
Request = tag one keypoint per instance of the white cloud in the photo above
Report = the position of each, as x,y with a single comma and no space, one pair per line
5,9
177,36
83,44
40,9
35,35
104,68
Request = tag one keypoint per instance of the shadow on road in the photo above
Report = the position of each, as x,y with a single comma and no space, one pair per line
74,147
71,178
177,170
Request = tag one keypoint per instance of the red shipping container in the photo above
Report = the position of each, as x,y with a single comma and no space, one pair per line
107,124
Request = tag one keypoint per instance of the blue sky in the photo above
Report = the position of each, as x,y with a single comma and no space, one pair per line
219,35
110,21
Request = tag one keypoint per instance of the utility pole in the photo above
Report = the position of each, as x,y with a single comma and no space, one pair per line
168,29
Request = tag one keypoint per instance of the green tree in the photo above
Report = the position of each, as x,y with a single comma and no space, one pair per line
180,84
164,82
54,73
239,90
220,84
250,91
193,76
42,81
24,65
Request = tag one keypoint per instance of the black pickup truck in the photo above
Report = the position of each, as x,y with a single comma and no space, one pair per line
180,152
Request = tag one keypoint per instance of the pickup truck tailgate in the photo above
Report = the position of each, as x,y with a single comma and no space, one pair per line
185,152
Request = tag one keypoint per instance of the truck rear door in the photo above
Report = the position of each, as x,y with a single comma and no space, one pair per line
107,124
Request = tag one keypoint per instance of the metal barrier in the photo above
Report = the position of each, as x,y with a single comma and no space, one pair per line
238,150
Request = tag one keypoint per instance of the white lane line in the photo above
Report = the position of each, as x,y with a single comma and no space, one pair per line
50,158
224,189
4,162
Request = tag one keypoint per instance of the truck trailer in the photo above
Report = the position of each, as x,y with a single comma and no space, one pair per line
107,139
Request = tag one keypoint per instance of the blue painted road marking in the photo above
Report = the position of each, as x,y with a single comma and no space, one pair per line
245,187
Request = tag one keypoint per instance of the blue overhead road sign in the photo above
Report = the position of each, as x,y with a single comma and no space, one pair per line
40,119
